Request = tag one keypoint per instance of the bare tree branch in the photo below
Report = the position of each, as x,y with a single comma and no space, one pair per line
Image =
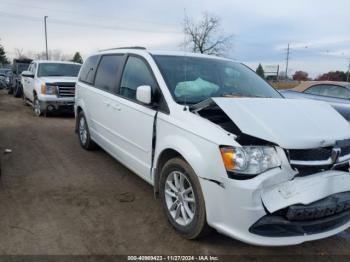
203,36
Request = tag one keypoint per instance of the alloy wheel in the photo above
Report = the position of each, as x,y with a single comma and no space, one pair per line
179,197
82,130
37,109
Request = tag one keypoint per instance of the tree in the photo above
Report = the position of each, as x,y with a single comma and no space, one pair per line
55,54
300,76
3,58
260,71
77,58
204,36
332,76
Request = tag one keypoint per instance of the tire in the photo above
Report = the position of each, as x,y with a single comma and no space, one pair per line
179,201
10,91
36,107
24,99
84,134
17,92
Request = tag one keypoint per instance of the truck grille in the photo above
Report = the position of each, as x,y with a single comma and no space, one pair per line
65,89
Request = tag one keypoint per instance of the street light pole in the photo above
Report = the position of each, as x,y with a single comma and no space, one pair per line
47,53
348,77
287,61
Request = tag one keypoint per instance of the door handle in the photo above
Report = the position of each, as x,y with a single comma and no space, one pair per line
116,107
106,103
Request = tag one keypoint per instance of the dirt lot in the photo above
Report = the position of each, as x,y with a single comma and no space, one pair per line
56,198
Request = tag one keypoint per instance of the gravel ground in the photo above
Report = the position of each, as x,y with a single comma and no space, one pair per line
58,199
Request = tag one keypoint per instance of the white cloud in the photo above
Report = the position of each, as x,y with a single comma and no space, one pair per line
262,29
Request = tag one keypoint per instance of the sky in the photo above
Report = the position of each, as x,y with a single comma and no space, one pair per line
318,31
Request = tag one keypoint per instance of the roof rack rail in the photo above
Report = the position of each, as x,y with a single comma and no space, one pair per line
126,47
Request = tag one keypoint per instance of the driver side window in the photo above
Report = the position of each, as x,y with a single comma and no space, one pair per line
33,68
136,73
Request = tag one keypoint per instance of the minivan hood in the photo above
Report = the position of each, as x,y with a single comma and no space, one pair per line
289,123
54,79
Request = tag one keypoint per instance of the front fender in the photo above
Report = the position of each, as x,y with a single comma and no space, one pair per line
80,105
202,155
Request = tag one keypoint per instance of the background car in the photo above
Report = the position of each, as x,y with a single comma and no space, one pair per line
49,86
5,74
335,93
18,66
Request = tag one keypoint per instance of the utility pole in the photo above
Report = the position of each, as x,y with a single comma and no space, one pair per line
47,53
287,61
348,75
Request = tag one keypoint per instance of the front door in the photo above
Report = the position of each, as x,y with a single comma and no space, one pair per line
28,83
133,125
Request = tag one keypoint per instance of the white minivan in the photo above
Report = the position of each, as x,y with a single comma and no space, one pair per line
222,148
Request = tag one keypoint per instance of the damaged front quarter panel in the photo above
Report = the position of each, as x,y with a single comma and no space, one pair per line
209,110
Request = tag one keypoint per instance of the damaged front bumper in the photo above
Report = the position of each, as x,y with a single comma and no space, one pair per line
298,220
268,211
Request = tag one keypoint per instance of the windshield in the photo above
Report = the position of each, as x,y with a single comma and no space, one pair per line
58,69
21,67
194,79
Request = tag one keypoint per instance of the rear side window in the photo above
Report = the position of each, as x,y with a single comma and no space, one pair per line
136,73
88,70
329,90
106,76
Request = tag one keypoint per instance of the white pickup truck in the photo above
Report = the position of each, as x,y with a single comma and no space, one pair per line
49,86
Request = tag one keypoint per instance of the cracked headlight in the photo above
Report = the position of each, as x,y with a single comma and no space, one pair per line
250,160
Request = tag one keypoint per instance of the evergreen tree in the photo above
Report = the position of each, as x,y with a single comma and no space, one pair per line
3,58
77,58
260,71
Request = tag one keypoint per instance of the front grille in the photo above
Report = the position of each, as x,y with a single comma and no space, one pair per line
311,161
345,151
65,89
304,170
314,154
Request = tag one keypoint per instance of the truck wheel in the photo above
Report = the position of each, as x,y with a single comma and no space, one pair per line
17,92
24,99
10,91
182,199
84,134
37,110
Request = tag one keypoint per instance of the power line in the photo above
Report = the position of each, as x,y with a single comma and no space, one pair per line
86,15
89,25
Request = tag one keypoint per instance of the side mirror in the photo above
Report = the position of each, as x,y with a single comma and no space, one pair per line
144,94
28,74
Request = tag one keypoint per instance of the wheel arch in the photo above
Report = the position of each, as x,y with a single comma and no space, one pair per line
78,110
179,148
163,157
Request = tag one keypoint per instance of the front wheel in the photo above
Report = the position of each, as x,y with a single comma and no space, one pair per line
10,90
37,108
182,199
17,92
84,133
